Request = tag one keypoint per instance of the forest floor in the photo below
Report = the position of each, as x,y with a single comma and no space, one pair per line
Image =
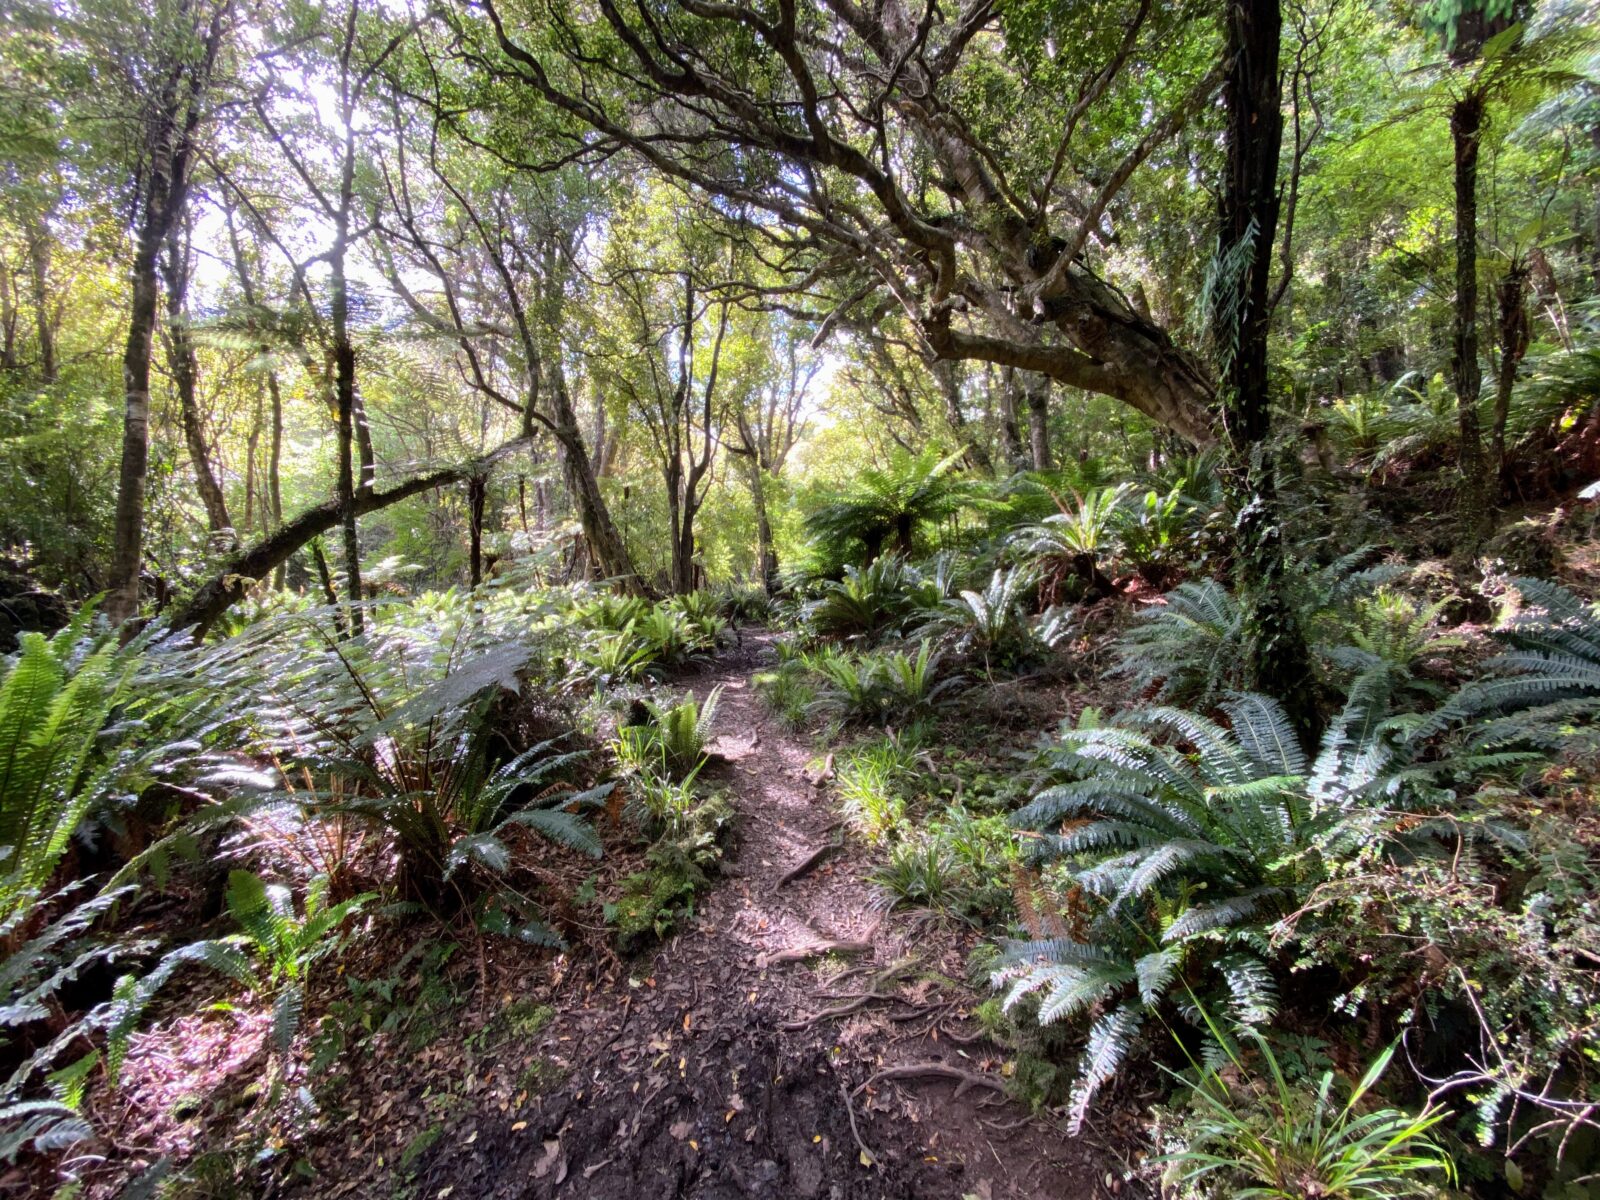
794,1041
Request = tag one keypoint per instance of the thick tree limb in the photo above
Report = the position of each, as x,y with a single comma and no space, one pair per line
257,561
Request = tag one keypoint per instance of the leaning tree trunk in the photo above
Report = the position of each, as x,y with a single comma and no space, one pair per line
256,561
122,598
1252,92
184,365
1466,123
605,543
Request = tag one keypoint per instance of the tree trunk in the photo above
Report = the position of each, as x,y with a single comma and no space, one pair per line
40,242
171,122
1037,393
766,555
477,496
1514,336
184,366
122,598
344,384
259,559
1466,122
1010,424
904,530
948,374
1279,663
605,543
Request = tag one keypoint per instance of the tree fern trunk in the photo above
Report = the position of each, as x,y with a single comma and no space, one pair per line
1242,315
1466,123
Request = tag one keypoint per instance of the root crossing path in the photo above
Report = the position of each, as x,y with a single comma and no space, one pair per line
793,1041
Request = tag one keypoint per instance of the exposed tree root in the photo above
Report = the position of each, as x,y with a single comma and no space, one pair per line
931,1070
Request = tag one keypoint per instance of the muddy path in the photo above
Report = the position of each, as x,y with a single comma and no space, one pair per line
736,1061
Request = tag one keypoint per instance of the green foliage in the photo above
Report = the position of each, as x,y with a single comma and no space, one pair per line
681,862
1275,1141
886,506
1396,635
1087,526
56,700
674,738
621,638
992,623
1153,532
1182,859
885,596
1193,644
870,782
49,943
1546,680
271,955
879,687
956,863
788,692
417,730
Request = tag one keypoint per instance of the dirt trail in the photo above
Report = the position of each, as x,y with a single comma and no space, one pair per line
710,1074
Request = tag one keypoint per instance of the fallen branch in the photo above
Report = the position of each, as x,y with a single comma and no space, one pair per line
257,561
811,861
931,1070
817,950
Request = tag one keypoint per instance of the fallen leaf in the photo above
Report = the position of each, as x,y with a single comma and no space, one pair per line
517,1127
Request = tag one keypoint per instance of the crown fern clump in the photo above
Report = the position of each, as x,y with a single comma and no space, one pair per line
1184,859
1190,648
673,741
1396,635
1544,682
993,622
1260,1142
870,600
879,688
1072,543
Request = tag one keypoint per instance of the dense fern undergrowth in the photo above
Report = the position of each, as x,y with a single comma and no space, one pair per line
1156,868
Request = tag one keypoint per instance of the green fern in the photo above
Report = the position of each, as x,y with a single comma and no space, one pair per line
675,737
53,714
1188,840
1543,683
993,622
886,506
